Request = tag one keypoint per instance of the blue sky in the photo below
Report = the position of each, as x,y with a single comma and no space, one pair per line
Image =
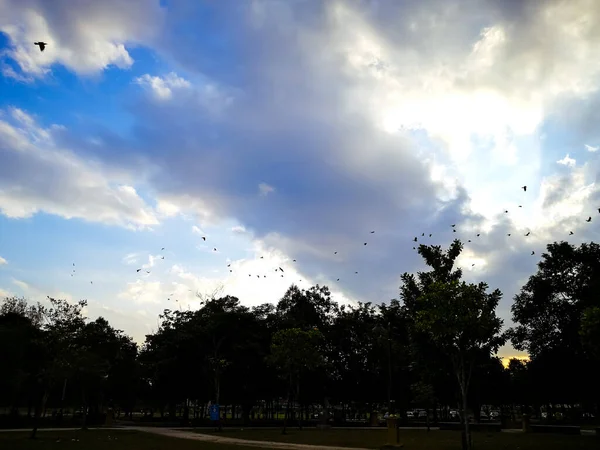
284,130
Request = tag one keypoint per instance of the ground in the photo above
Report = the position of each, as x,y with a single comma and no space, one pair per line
412,439
103,440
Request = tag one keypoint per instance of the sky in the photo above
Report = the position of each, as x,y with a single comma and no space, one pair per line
283,131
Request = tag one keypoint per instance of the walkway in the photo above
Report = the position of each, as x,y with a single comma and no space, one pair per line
227,440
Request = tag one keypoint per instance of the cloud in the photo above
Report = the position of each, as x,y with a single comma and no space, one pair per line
198,231
32,162
367,116
567,161
238,229
162,88
264,189
3,261
84,37
589,148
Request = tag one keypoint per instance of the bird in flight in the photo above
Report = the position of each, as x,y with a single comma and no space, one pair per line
453,225
528,233
162,249
281,269
138,270
570,233
41,44
415,239
203,238
589,219
533,253
508,234
365,243
478,234
524,188
372,232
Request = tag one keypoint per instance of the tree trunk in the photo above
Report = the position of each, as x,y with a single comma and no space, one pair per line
40,404
84,406
299,404
466,434
287,411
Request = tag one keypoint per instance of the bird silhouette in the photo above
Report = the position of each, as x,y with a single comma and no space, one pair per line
365,243
453,225
138,270
430,235
41,44
508,234
355,272
335,253
570,233
589,219
528,233
506,211
478,234
203,238
294,260
422,234
337,279
215,249
372,232
533,253
281,269
524,188
415,239
454,230
162,249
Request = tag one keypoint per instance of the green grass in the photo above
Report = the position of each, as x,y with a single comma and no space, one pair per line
415,439
104,440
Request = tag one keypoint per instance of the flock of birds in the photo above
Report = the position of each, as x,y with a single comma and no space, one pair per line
279,270
42,46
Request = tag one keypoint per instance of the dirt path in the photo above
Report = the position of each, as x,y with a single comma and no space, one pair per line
227,440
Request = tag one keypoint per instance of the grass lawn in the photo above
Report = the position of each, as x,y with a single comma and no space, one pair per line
104,440
416,439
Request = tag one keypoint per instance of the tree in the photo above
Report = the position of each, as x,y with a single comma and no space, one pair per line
590,331
548,313
295,352
461,319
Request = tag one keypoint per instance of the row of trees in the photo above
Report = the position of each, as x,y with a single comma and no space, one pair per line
436,345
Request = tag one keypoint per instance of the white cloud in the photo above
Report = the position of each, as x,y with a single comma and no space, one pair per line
589,148
86,37
130,259
198,231
238,229
567,161
3,261
264,189
32,161
162,88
